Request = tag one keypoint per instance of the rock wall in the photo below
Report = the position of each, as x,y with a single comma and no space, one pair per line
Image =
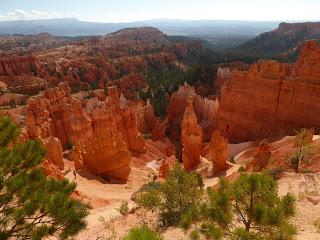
22,74
272,98
26,65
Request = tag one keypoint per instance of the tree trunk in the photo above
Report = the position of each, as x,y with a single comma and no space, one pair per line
300,159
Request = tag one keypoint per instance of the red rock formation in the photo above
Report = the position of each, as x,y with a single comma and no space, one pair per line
102,133
116,59
224,72
223,75
280,150
166,165
54,151
261,158
218,152
191,138
272,98
153,123
12,99
206,111
19,66
22,74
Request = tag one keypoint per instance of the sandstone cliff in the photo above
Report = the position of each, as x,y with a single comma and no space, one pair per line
272,98
22,74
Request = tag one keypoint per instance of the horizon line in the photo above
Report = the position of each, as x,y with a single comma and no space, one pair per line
165,19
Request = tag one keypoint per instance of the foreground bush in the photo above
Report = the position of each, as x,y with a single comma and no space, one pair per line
303,142
142,233
177,200
33,206
249,209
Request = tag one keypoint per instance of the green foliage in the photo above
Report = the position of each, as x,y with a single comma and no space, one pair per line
305,149
124,208
33,206
163,82
69,145
211,231
251,202
176,201
194,235
142,233
276,172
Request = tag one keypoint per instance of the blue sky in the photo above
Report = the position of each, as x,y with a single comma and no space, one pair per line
131,10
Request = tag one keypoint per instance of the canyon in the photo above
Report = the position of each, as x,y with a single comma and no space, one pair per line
81,99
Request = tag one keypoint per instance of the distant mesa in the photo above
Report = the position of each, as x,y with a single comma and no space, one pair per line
143,34
283,42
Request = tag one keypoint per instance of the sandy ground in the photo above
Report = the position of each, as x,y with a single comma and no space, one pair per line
106,223
306,188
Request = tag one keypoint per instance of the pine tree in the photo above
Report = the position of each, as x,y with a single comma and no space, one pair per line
142,233
303,142
249,209
33,206
177,200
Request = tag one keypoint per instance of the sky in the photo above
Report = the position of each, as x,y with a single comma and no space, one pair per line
136,10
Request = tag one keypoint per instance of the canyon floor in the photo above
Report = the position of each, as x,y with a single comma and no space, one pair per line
106,222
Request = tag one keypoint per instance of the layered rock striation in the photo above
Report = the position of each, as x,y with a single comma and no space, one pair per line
272,98
22,74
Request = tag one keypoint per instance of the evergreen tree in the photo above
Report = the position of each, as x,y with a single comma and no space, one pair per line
33,206
177,200
142,233
249,209
303,142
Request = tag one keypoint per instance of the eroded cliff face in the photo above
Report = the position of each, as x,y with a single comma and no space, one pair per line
22,74
102,132
272,98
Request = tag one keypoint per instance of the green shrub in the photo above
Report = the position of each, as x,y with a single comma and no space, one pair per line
276,172
194,235
305,148
176,200
251,201
124,208
142,233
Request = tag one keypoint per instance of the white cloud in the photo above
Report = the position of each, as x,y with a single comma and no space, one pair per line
19,14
